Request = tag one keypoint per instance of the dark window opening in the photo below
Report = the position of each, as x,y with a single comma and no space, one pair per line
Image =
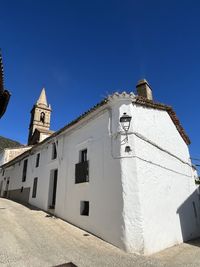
54,151
34,187
84,208
3,172
127,149
22,188
53,189
83,155
37,160
42,117
24,170
82,168
82,172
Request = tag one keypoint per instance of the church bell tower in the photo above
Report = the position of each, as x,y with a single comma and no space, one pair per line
40,120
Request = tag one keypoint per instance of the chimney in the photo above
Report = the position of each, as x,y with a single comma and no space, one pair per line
144,89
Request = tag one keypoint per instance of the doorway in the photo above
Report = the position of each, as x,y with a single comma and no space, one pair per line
6,187
52,188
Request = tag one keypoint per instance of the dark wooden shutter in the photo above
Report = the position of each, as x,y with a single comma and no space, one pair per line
37,160
82,172
34,187
24,170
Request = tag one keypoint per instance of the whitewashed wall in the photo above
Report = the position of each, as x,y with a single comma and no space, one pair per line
104,190
10,153
166,185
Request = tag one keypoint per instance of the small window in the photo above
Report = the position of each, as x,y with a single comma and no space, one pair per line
82,168
3,172
54,151
34,187
42,117
37,160
83,155
84,208
24,170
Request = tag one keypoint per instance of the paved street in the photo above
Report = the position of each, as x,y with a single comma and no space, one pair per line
31,237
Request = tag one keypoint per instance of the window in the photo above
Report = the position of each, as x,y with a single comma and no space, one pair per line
34,187
24,170
42,117
84,208
82,168
83,155
37,160
54,151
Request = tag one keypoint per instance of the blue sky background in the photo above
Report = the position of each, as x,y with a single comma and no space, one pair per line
82,50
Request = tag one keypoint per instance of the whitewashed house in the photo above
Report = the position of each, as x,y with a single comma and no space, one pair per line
8,154
121,171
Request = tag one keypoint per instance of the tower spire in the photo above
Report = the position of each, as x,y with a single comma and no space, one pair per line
42,100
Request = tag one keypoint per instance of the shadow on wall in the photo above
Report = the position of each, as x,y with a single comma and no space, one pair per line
189,215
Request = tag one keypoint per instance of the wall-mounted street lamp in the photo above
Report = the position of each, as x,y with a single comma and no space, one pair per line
125,121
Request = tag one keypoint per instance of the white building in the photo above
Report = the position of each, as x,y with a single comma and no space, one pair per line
8,154
131,186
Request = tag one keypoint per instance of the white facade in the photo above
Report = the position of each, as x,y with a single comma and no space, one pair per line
141,191
10,153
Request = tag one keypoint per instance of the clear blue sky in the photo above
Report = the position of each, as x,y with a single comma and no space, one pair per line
83,50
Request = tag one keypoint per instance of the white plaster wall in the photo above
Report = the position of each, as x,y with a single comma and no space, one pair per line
166,185
104,191
2,157
159,128
46,164
15,174
132,216
10,153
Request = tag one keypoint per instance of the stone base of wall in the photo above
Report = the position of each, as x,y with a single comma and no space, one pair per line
19,195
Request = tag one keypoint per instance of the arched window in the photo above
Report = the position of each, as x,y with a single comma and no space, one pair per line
42,117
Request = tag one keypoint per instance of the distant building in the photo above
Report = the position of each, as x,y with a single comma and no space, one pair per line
4,94
121,171
10,153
